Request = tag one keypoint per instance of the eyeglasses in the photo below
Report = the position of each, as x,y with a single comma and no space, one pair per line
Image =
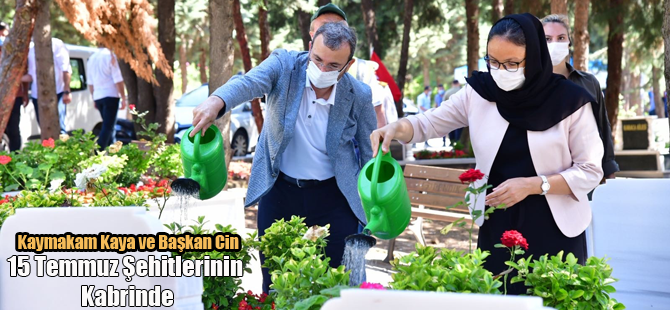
510,66
329,67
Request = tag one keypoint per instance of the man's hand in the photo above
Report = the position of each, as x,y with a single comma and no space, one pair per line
513,190
123,103
205,114
25,101
67,98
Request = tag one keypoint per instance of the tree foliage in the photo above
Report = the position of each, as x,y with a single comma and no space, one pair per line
124,26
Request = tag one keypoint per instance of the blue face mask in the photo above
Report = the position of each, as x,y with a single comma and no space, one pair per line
441,92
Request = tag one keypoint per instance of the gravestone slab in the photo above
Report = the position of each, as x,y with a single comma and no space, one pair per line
630,227
65,293
361,299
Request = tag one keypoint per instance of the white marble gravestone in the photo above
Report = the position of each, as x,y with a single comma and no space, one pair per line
366,299
630,226
65,293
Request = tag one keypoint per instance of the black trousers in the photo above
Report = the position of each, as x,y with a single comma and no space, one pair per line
13,131
320,205
108,107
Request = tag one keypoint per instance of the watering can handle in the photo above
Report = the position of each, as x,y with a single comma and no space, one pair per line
196,147
375,175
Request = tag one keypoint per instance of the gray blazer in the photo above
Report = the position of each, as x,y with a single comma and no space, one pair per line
282,77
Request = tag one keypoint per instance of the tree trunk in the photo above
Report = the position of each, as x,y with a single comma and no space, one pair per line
533,7
614,55
426,70
404,52
581,37
658,100
627,82
303,23
44,62
509,7
146,102
323,2
164,101
221,56
130,80
265,30
472,24
182,65
241,35
498,10
14,57
203,66
370,25
559,7
666,41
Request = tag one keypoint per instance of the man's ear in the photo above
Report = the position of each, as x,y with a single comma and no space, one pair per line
310,45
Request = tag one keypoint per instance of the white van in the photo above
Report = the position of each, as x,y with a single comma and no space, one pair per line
81,112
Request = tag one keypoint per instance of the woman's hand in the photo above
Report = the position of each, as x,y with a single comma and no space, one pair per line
385,135
205,114
514,190
401,130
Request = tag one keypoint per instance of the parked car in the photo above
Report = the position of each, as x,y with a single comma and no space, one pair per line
243,130
408,107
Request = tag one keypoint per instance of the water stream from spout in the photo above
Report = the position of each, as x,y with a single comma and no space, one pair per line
355,250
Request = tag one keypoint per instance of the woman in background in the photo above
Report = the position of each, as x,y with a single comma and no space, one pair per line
559,40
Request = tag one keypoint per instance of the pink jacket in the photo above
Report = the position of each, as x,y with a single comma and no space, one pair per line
572,148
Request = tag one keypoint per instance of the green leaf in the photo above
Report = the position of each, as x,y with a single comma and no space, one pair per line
499,245
447,228
11,187
44,167
609,289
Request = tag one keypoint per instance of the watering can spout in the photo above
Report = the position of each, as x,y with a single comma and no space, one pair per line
203,158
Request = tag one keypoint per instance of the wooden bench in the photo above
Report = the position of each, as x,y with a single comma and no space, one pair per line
431,190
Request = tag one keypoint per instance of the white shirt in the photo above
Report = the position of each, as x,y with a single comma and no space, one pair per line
61,64
305,156
389,105
103,74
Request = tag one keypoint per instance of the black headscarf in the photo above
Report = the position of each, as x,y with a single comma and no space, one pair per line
545,98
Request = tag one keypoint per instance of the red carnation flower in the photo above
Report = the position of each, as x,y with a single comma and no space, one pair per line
513,238
4,159
372,286
471,176
48,143
131,106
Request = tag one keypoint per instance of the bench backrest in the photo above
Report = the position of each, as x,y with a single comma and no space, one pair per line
435,187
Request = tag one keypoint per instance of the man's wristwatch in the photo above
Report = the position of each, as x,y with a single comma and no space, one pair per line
67,92
545,185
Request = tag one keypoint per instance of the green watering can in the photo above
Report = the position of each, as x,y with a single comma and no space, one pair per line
384,196
204,163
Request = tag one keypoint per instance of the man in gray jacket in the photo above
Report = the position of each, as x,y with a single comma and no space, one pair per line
305,163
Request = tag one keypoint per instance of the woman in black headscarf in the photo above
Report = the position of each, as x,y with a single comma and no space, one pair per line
534,136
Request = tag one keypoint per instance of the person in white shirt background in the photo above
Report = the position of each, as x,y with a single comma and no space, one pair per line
62,70
106,85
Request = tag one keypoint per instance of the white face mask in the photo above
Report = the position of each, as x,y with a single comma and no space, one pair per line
558,51
319,78
508,81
